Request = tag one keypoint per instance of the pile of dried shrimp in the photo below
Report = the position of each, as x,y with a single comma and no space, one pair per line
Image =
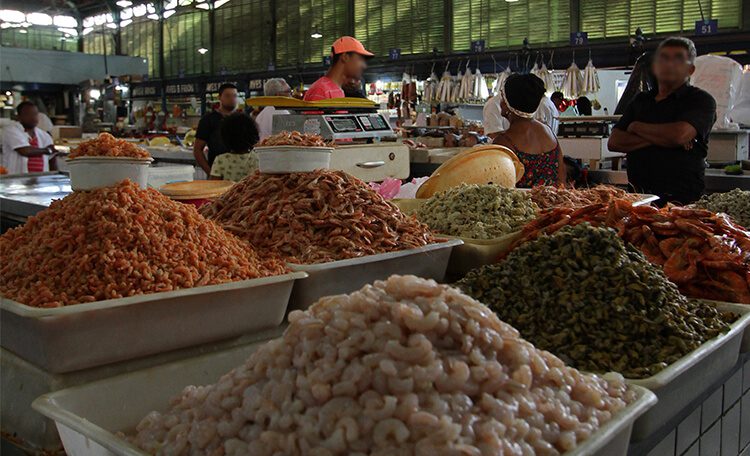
400,367
116,242
106,145
295,138
704,253
315,217
547,196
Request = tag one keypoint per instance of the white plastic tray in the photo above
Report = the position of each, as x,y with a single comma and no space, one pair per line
21,382
681,382
89,416
345,276
80,336
646,198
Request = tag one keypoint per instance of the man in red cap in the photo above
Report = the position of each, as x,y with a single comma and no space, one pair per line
348,62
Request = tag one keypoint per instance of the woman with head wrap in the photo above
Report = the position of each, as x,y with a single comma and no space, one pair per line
532,141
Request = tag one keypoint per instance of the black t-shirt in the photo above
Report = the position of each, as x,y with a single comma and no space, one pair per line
209,131
673,173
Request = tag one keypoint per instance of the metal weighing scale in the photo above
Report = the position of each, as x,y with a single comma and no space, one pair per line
335,126
348,121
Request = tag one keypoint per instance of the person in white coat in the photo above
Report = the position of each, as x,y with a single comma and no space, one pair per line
26,147
275,87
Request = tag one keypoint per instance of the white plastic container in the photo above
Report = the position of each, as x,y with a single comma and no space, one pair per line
21,383
88,417
89,173
81,336
682,382
292,159
345,276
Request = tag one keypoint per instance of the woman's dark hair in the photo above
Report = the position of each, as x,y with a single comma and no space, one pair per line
584,106
239,132
524,92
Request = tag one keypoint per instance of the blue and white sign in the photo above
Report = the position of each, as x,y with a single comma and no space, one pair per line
707,27
478,46
394,53
579,39
327,60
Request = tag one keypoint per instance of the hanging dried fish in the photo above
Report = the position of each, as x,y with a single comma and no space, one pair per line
573,82
546,75
590,79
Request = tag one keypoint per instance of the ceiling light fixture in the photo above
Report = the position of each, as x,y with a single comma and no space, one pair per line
202,51
316,34
39,18
23,31
65,21
12,16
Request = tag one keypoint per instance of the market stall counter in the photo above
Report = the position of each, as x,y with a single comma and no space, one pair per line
24,195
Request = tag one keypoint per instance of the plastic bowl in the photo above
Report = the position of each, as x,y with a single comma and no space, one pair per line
293,159
90,173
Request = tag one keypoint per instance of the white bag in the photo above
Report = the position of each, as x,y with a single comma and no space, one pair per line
721,77
740,113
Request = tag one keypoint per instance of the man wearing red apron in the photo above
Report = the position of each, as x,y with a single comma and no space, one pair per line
27,148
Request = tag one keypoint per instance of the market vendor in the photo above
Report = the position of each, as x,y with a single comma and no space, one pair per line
533,142
275,87
348,62
209,128
664,132
26,147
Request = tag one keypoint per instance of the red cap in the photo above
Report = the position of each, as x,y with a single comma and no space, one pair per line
349,44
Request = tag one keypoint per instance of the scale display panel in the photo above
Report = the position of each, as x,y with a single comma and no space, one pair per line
335,126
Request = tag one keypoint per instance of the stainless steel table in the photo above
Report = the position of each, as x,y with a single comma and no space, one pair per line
22,196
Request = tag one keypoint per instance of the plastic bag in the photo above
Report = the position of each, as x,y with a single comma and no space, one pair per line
741,111
721,77
388,189
409,189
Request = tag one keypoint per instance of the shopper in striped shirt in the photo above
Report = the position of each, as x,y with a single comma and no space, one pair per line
26,147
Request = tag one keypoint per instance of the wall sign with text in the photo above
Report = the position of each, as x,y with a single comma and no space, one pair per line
707,27
579,39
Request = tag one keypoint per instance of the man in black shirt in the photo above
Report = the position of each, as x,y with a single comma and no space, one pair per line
665,131
208,133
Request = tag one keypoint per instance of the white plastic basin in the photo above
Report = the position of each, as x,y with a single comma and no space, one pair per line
90,173
292,159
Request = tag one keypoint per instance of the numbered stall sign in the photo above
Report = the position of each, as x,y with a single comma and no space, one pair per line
394,53
707,27
579,39
477,46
